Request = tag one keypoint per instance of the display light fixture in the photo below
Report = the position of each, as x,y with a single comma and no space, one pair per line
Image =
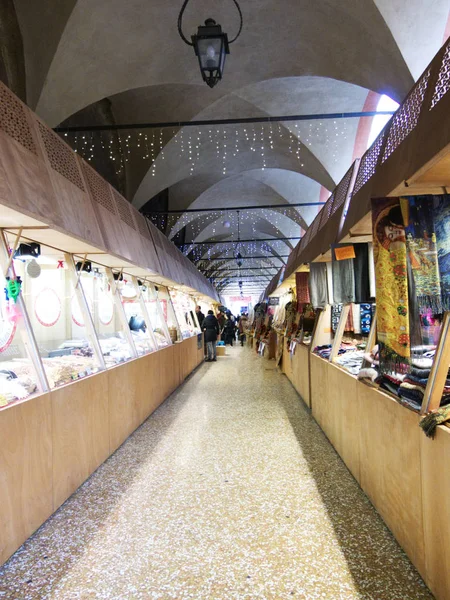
85,266
28,251
211,46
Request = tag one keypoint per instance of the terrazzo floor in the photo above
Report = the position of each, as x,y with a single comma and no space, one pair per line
228,491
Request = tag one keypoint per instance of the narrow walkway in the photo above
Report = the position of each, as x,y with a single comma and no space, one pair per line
228,491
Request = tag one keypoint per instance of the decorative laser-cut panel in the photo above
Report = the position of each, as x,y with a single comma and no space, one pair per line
13,120
443,82
368,163
342,190
407,116
141,224
315,225
124,209
99,188
326,210
61,158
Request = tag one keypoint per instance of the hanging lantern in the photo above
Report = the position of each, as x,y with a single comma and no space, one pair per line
227,224
211,46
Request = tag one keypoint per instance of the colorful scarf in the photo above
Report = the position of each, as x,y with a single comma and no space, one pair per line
442,228
422,251
391,285
318,287
430,422
301,282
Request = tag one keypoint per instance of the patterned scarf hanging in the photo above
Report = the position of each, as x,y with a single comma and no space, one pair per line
442,226
422,251
391,284
301,282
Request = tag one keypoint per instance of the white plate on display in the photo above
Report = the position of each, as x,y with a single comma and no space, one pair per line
105,309
47,307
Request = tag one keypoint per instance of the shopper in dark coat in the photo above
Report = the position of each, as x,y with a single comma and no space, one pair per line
211,328
200,315
229,331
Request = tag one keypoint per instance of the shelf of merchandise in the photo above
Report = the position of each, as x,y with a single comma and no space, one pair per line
404,473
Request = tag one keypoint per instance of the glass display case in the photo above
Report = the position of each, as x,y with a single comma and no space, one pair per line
168,312
108,315
184,307
136,316
55,307
156,315
18,376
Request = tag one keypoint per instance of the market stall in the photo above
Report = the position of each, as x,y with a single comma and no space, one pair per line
398,202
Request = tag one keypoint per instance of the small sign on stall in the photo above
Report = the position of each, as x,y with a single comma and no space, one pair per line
345,252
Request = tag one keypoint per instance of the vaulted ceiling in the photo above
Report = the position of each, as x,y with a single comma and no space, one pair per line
100,62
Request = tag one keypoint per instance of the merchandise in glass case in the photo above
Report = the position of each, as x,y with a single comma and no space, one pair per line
156,315
185,311
115,345
55,309
168,312
18,377
134,308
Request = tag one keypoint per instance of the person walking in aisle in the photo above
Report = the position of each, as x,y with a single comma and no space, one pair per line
211,328
229,331
200,315
242,325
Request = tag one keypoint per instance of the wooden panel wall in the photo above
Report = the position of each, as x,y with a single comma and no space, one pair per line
80,433
435,458
25,471
53,443
390,467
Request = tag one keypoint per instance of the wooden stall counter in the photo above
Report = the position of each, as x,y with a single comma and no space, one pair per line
296,368
52,443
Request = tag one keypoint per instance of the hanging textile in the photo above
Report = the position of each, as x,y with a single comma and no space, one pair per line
330,283
361,268
442,228
301,282
371,272
343,280
391,284
318,285
336,310
365,318
422,251
356,315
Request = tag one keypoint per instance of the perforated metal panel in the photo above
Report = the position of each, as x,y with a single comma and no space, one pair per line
406,117
61,158
342,190
124,209
99,188
368,163
326,210
141,224
13,120
315,225
443,82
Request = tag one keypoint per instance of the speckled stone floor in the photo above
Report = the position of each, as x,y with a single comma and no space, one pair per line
228,491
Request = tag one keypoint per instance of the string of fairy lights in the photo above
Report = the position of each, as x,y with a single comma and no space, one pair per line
285,219
193,147
220,149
